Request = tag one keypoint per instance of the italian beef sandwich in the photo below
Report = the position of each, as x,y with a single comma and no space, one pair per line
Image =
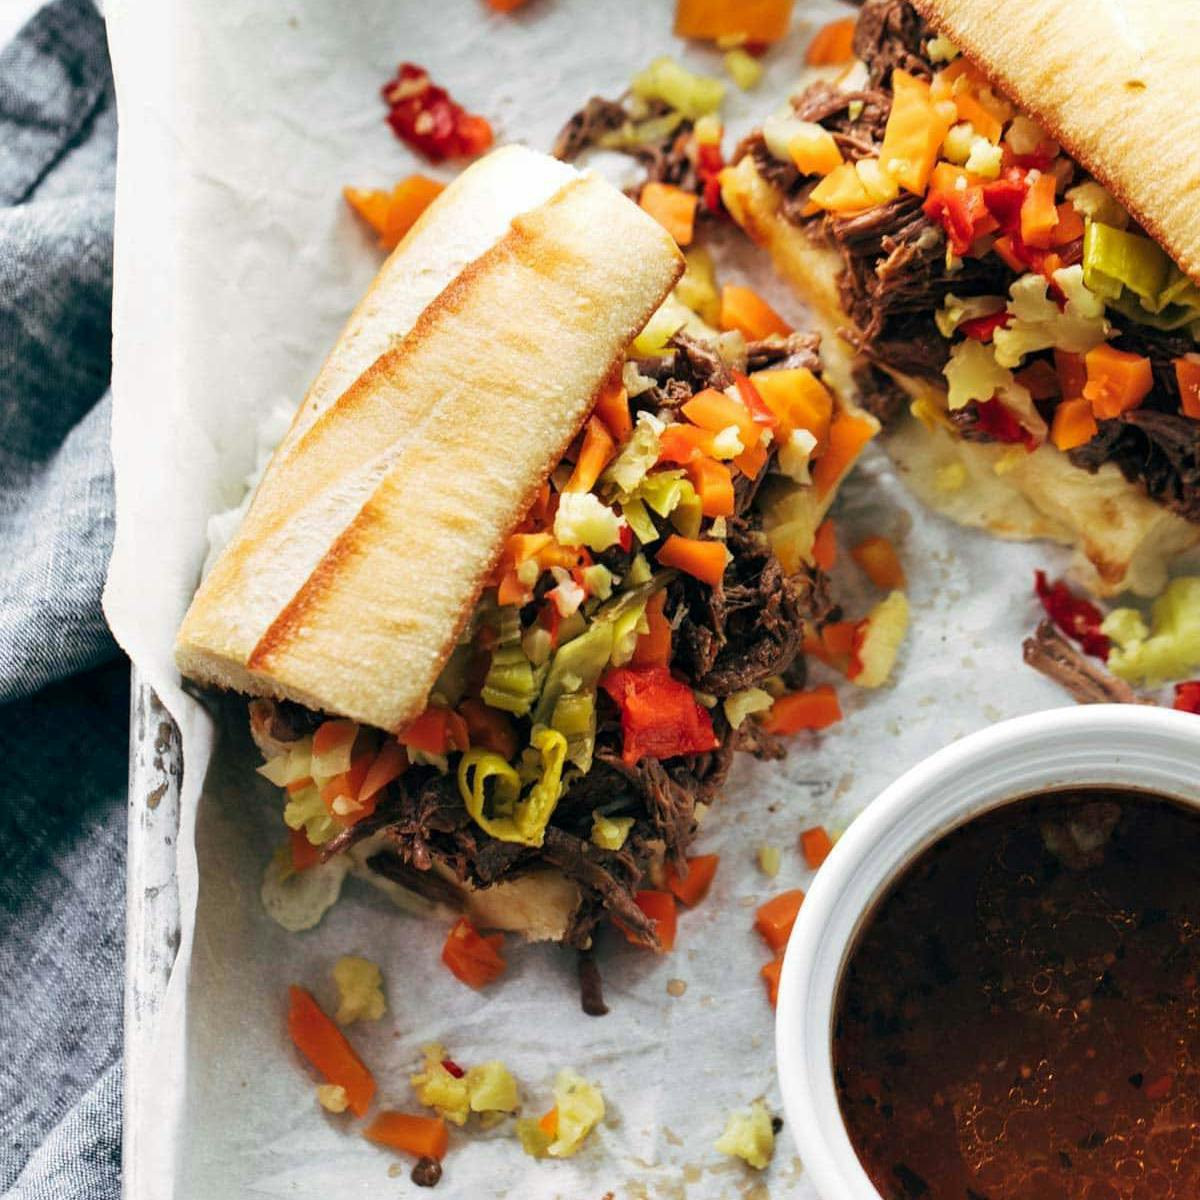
998,222
530,564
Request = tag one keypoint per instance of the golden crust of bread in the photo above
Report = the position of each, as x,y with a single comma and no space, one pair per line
1123,539
1115,82
371,537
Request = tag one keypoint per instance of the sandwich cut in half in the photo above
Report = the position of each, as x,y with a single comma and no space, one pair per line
530,563
997,220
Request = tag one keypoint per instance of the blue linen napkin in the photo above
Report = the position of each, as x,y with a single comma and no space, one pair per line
63,735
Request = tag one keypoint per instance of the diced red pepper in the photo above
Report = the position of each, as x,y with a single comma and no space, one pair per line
962,213
660,717
1004,198
999,422
305,854
983,329
1187,697
452,1068
1076,617
475,959
709,164
815,844
660,908
693,887
775,918
770,974
423,115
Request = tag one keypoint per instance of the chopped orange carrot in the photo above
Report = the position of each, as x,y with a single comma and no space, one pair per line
1004,248
753,20
798,400
326,1048
682,443
691,889
834,644
770,974
654,647
702,558
304,853
548,1122
833,44
986,124
340,793
597,452
389,764
815,845
1187,374
848,434
751,462
1039,213
794,711
824,547
841,191
877,556
505,6
489,728
775,918
714,486
393,214
512,591
660,908
422,1137
1069,227
714,411
472,957
1116,380
747,312
331,736
673,208
814,150
612,407
437,731
915,131
1074,424
946,176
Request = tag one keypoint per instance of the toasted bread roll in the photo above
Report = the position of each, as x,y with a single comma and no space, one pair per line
382,515
1115,84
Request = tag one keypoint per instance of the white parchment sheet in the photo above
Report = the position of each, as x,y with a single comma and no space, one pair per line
237,261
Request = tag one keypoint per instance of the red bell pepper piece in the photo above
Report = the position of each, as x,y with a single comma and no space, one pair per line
1004,198
424,116
962,214
475,959
998,421
693,887
1187,697
1076,617
660,717
983,329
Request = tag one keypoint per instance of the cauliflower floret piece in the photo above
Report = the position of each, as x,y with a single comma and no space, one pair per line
749,1135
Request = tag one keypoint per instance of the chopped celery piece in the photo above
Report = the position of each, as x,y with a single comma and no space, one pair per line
741,704
639,571
687,513
693,95
668,319
575,718
1114,259
744,69
627,628
662,490
306,810
452,682
510,684
638,455
609,833
638,519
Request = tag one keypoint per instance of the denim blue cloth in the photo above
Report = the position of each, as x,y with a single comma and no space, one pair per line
64,720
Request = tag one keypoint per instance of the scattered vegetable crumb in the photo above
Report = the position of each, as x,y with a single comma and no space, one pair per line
769,860
749,1135
332,1097
676,987
559,1133
360,990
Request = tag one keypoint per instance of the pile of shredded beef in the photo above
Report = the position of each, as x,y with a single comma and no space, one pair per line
896,277
726,639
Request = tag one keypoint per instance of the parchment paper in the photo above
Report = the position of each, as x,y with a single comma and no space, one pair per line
237,260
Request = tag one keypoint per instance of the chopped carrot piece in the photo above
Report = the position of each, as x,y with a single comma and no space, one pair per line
814,150
371,204
422,1137
505,6
1072,373
489,727
833,44
798,400
915,131
333,735
848,434
304,853
597,452
877,556
1004,248
754,20
693,887
393,214
747,312
704,559
654,648
841,191
660,908
548,1122
824,547
770,974
1187,373
437,731
833,644
682,443
946,176
969,108
512,591
340,793
1039,214
1069,227
673,208
714,411
612,407
751,462
794,711
815,845
714,486
775,918
388,765
472,957
1116,380
326,1048
1074,424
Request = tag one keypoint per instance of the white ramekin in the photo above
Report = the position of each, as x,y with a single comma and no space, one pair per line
1118,745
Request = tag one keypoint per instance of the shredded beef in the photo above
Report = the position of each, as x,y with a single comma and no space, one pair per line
699,363
429,884
891,34
596,118
879,393
288,721
1049,652
784,353
591,986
